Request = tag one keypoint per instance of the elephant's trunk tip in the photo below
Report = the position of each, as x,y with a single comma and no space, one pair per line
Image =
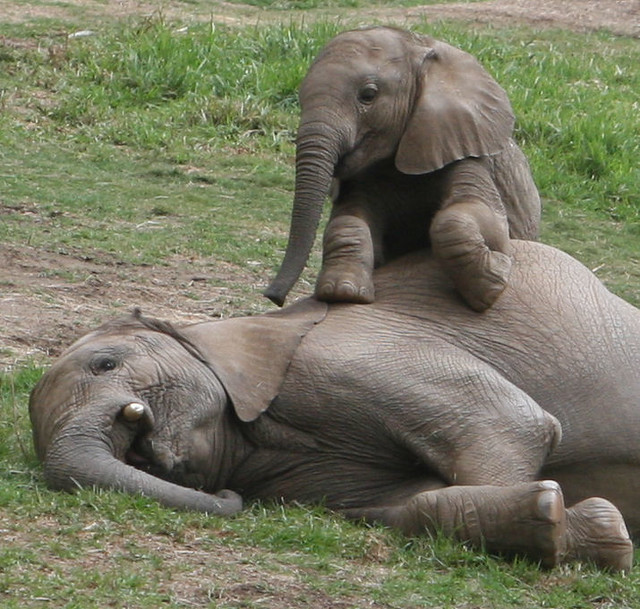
275,294
291,269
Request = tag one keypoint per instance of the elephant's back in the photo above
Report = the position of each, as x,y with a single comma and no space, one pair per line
556,333
544,283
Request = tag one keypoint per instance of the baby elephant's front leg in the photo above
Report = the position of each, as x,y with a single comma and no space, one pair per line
347,262
472,242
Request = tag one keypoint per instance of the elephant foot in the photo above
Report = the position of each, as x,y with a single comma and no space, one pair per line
538,528
481,285
524,520
336,286
347,262
596,533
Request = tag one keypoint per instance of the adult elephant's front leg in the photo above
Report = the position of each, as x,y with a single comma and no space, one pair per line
527,519
347,261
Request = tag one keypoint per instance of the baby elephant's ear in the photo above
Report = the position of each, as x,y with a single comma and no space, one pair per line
460,112
251,355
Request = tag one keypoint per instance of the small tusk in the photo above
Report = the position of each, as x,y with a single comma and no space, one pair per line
133,412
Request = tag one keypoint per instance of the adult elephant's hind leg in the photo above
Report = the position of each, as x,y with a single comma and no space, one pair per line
527,519
524,519
596,532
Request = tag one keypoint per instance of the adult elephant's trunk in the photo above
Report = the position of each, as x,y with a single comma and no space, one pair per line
82,457
316,158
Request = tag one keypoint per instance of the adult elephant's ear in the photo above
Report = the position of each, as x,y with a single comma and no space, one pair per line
251,355
460,111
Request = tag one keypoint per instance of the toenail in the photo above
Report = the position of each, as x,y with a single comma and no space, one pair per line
550,485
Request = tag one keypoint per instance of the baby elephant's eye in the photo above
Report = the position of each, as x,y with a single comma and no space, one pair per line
368,93
104,364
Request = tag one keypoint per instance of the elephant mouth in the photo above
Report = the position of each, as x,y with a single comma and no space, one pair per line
140,455
360,158
134,458
145,452
137,420
140,450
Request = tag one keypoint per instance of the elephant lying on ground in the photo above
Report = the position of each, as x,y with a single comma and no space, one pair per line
414,411
413,138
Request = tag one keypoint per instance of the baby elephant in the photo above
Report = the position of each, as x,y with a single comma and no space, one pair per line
416,138
518,429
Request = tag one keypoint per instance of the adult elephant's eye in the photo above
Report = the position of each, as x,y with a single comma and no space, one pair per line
104,364
368,93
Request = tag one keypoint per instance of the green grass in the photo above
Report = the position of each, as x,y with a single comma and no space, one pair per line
203,77
182,141
174,208
183,96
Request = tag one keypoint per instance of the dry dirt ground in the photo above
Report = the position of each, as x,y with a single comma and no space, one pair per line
40,312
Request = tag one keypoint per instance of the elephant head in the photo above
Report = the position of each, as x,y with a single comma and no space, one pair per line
137,406
383,93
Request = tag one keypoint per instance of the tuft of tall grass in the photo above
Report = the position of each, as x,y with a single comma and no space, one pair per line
16,448
223,81
579,109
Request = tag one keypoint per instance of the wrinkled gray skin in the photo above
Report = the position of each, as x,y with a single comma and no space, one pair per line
413,411
415,138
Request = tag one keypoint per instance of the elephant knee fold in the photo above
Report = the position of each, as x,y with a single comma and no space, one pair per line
455,235
474,250
467,229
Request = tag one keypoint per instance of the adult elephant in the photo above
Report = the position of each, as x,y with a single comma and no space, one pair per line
413,411
418,138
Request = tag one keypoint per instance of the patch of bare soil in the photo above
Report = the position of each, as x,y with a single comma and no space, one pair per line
15,11
617,16
620,17
49,298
